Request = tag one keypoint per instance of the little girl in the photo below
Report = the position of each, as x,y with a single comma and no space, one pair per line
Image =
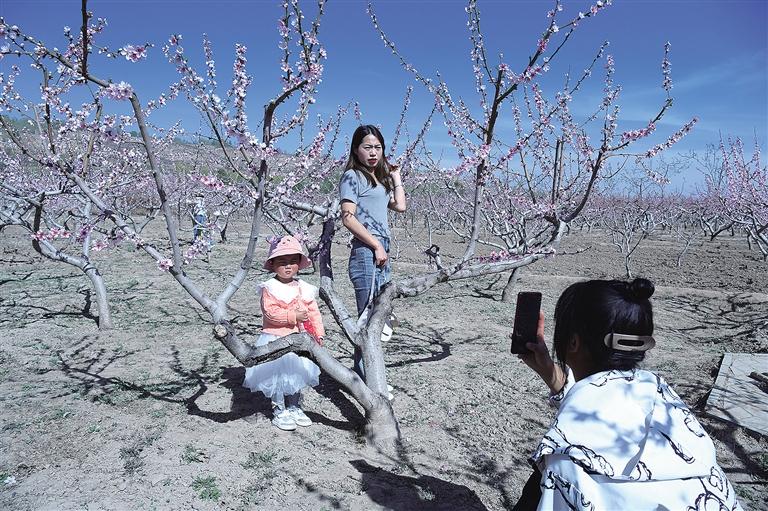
288,305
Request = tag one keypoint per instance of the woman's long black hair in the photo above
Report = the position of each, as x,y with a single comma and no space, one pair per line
382,168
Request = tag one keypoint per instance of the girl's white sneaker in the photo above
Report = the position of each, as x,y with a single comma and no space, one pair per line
284,420
299,417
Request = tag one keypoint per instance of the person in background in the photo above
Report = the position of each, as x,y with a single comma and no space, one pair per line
199,219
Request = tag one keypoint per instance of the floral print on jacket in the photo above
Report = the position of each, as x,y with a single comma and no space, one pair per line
625,440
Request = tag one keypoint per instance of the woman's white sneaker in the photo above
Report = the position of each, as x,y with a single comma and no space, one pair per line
386,333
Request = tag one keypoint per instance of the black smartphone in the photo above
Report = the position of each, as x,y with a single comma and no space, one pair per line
526,320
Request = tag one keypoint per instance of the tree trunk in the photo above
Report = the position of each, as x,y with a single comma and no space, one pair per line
83,263
223,230
683,252
382,430
509,288
627,261
105,318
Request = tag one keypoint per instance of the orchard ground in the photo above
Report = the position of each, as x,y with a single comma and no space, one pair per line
151,415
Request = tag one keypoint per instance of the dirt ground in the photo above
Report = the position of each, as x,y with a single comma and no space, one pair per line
151,415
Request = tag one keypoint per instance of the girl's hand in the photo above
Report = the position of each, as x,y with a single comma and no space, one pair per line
301,315
380,255
319,340
540,361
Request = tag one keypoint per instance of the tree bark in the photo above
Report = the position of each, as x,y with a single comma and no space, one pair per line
105,318
83,263
509,288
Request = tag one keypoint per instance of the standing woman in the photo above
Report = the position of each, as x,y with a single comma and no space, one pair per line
369,187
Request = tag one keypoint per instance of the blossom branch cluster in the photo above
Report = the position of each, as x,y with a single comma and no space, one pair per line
673,139
551,165
52,234
746,193
666,69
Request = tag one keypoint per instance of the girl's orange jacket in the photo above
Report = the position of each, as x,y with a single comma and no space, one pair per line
279,302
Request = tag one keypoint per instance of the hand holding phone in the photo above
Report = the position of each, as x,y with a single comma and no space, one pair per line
526,320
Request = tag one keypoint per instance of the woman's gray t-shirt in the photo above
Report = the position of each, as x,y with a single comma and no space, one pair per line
371,202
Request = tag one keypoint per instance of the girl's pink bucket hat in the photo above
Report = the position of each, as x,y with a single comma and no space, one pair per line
287,245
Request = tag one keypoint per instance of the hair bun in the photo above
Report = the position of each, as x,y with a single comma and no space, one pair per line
641,289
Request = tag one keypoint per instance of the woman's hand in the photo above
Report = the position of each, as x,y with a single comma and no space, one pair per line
397,199
540,361
380,255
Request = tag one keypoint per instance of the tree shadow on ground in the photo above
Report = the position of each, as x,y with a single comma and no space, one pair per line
86,364
418,342
331,390
243,402
420,493
751,464
24,314
488,291
485,468
744,316
6,281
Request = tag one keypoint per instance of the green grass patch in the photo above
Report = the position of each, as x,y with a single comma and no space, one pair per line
131,454
762,460
192,454
56,415
13,426
206,488
257,460
253,495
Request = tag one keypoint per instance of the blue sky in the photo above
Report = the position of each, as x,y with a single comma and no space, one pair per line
719,55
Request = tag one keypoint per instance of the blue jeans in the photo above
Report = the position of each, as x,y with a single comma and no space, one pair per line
362,268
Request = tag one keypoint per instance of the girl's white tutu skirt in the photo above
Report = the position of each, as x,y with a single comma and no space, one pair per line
282,377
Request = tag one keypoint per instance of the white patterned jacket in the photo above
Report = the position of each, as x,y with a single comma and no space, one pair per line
624,440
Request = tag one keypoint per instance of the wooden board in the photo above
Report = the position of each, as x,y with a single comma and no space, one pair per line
736,397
